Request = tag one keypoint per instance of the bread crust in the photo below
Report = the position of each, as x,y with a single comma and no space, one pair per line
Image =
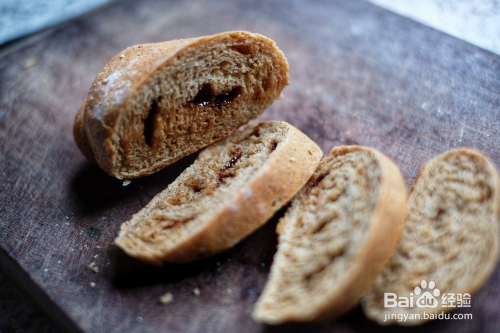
282,175
385,227
81,139
123,79
490,262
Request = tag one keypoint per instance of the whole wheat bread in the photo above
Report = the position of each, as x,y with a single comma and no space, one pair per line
449,238
152,104
233,187
335,238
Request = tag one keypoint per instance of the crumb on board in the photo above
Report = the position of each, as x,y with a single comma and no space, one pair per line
167,298
94,267
92,284
196,291
126,182
30,62
229,291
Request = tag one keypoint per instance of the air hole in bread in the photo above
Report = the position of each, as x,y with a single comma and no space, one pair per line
206,96
243,49
197,186
151,121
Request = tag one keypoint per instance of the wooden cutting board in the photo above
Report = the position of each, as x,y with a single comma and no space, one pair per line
359,75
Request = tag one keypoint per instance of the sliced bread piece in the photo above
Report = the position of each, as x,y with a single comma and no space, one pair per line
233,187
449,239
335,238
153,104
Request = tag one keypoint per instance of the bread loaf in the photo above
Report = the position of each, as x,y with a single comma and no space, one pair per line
233,187
335,238
153,104
449,243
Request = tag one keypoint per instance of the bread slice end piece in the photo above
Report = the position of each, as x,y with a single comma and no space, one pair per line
153,104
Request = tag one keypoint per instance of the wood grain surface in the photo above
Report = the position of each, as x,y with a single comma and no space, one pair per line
359,75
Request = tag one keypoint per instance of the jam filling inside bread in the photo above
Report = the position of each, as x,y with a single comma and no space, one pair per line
207,96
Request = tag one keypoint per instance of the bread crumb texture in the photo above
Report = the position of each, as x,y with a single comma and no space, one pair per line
155,103
321,235
450,233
